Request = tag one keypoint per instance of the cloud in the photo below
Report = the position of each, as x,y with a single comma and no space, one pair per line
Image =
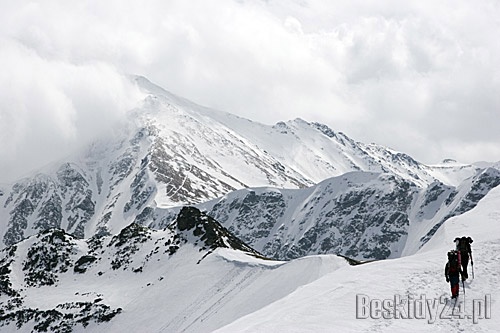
49,108
419,77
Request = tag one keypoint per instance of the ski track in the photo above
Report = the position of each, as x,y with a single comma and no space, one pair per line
230,293
178,321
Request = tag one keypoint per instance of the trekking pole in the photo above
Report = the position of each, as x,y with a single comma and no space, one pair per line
463,286
472,265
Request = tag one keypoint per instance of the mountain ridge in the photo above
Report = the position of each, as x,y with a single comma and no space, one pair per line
171,152
87,283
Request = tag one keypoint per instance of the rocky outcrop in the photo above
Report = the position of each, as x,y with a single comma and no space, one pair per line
54,259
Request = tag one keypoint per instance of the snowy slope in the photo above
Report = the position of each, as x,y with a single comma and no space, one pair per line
192,276
329,303
143,280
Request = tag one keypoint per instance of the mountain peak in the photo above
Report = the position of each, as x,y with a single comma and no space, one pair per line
172,153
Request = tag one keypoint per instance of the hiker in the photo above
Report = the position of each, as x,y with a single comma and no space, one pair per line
463,245
452,272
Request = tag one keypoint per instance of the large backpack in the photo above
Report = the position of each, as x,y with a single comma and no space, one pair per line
464,244
453,262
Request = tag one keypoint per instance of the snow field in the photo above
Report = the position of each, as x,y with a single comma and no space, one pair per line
329,303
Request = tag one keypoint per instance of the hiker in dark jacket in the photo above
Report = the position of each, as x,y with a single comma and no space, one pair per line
463,245
452,272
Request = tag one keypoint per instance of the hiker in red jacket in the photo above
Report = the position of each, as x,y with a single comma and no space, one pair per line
453,271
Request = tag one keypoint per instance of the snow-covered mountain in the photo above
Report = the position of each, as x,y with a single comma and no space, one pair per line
170,152
363,215
183,279
103,240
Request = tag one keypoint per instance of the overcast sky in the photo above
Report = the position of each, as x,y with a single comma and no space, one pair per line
421,77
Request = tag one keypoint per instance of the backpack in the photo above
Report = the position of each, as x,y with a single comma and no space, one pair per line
453,262
464,244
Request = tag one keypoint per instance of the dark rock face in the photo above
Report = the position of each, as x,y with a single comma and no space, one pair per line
181,177
50,215
127,243
365,219
210,232
79,206
5,269
480,185
22,202
63,318
83,263
256,214
18,222
47,201
47,257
